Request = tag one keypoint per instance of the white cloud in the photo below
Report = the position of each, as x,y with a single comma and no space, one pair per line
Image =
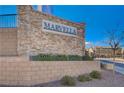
88,43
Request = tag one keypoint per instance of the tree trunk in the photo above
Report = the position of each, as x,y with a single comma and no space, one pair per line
114,54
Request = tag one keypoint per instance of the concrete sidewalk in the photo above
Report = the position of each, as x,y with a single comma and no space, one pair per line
117,60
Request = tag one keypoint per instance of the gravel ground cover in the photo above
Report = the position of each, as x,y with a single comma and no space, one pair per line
108,80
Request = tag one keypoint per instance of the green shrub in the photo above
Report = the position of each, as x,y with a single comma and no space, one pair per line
83,78
74,58
95,75
68,81
42,57
49,57
59,57
86,58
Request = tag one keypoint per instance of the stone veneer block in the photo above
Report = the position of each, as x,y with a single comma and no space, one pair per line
31,73
32,40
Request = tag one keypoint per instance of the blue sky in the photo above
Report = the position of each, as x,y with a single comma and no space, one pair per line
98,19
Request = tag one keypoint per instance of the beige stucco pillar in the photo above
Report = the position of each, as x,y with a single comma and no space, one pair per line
39,8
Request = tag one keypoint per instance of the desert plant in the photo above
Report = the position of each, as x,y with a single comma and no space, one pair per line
68,80
87,58
57,57
83,78
95,75
74,58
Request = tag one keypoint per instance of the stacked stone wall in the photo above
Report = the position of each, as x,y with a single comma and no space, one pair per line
32,40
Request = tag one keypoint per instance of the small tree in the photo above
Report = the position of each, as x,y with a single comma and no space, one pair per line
92,47
114,40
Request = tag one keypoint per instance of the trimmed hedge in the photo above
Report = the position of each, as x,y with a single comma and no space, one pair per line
49,57
87,57
74,58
